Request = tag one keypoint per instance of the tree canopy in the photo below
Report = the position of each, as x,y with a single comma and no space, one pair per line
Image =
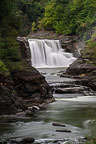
69,16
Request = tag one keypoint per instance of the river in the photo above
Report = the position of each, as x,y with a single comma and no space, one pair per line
76,111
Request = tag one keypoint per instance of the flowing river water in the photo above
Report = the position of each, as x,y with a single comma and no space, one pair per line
76,111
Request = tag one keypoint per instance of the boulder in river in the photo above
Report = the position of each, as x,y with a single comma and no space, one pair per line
84,71
27,141
31,86
59,124
64,130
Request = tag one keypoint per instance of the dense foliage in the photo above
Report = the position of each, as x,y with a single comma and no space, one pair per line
9,30
69,16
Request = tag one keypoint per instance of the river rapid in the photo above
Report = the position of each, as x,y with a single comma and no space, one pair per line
77,111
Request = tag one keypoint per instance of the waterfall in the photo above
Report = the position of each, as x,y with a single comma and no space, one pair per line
48,53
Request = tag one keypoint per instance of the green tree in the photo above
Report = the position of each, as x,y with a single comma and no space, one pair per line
69,16
9,30
31,11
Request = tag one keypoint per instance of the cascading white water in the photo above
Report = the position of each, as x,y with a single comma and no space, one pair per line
48,53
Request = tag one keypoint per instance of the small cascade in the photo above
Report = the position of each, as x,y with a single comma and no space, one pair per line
48,53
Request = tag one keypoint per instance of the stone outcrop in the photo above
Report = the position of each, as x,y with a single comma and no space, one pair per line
84,71
31,86
79,140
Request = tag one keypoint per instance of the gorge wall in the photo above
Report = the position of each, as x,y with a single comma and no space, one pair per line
24,87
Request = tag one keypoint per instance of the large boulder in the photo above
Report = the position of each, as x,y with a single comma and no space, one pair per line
22,90
32,87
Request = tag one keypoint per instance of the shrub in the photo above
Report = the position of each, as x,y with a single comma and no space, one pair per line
3,68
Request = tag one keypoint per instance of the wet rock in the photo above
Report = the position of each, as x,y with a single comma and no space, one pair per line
15,141
59,124
57,141
27,141
64,130
9,142
80,67
84,71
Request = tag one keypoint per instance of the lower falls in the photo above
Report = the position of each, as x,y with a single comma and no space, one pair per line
49,53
